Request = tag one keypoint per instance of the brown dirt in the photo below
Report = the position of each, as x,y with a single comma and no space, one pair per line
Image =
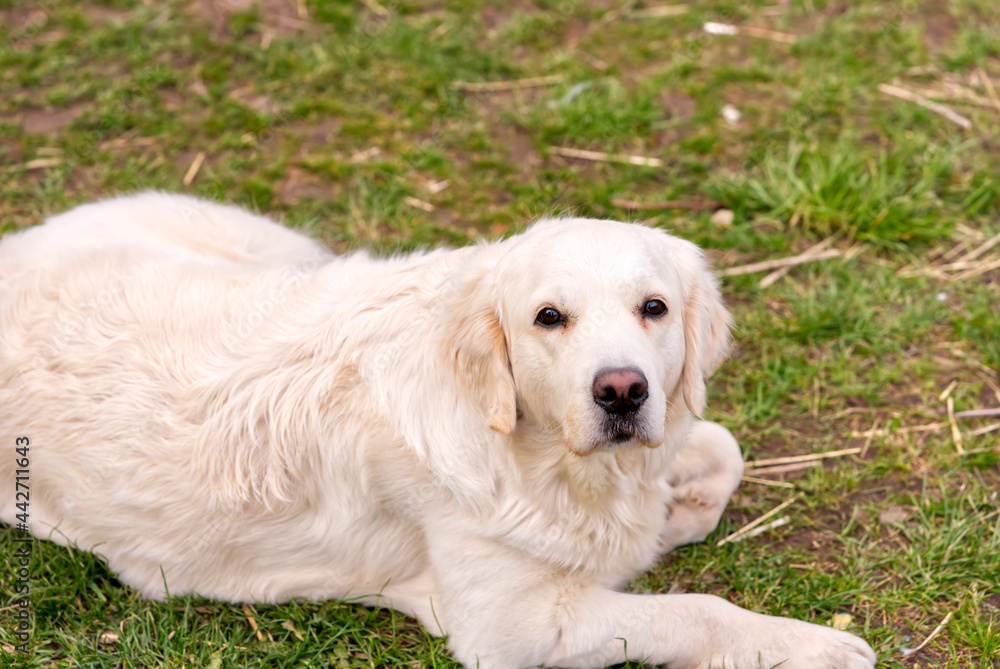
494,17
520,148
300,184
24,22
940,26
49,120
279,16
576,31
99,14
182,161
676,105
257,101
314,132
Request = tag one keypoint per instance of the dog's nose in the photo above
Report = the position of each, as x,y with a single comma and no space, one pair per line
620,391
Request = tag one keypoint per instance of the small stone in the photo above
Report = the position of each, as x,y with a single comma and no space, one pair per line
731,114
723,217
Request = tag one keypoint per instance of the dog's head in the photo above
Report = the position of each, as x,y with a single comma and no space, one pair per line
599,331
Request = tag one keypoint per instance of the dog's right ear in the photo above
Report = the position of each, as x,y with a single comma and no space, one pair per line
476,348
466,404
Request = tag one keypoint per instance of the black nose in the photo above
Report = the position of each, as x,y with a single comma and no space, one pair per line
620,391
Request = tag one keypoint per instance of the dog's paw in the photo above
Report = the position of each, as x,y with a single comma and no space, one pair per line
702,495
795,644
832,650
703,478
693,513
710,453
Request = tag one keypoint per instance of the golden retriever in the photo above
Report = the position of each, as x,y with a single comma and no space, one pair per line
492,439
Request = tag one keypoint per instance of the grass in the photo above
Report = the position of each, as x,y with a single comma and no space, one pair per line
338,118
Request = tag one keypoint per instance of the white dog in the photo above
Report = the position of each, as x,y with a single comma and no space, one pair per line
492,439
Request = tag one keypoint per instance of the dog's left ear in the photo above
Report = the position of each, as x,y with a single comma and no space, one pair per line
706,323
479,352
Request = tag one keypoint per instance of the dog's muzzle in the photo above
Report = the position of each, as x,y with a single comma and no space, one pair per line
620,393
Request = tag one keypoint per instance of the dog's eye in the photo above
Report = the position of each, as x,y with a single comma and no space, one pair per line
548,317
654,308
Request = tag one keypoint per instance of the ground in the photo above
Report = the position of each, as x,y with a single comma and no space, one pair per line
368,124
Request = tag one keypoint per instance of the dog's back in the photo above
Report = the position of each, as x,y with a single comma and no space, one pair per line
141,340
109,315
159,225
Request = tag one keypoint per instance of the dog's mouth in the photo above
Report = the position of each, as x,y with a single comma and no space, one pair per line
623,432
604,430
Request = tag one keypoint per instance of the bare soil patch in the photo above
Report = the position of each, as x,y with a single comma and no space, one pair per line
50,120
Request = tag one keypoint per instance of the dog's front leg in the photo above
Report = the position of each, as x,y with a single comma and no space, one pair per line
703,476
700,632
503,609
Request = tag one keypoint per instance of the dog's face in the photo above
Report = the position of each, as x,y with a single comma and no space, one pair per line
609,328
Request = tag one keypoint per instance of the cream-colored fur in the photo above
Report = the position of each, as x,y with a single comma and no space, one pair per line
218,405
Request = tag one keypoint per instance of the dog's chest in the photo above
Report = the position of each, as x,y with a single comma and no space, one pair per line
610,538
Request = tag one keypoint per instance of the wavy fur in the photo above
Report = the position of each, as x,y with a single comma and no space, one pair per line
219,405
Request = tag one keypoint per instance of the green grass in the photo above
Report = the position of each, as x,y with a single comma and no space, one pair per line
347,113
